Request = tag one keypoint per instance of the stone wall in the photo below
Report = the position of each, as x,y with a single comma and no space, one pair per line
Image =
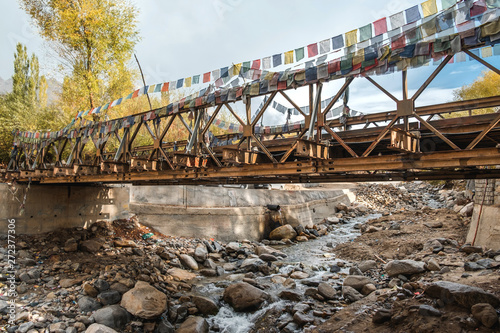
489,189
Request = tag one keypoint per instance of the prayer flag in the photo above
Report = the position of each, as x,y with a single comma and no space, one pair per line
412,14
365,32
380,26
448,3
246,66
486,52
237,69
180,83
444,21
429,27
256,64
397,20
338,42
478,8
429,7
289,57
266,63
216,74
158,88
276,60
398,43
206,77
187,82
224,72
312,50
196,79
135,94
299,54
351,37
324,46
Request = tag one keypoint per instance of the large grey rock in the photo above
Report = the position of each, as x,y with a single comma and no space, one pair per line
98,328
113,316
464,295
367,265
485,313
205,305
233,247
144,301
243,296
351,294
357,281
404,267
88,304
301,318
200,253
188,262
326,290
109,297
193,325
284,232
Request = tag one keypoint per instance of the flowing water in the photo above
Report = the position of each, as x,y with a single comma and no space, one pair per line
314,257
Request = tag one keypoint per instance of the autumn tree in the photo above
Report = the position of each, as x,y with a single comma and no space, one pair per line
95,40
25,108
486,85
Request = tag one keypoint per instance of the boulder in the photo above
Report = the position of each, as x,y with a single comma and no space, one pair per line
327,291
267,257
284,232
464,295
467,209
144,301
433,265
485,313
200,253
381,316
188,262
366,265
290,295
404,267
233,247
193,325
351,294
90,290
101,285
301,239
368,289
298,275
91,245
427,311
357,281
98,328
205,305
88,304
243,296
113,316
109,297
301,318
181,274
471,249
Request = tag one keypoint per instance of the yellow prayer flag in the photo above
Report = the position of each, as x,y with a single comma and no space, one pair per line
359,57
187,82
269,76
151,88
486,52
429,7
351,37
289,57
237,69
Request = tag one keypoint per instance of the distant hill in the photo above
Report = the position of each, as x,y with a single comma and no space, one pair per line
53,90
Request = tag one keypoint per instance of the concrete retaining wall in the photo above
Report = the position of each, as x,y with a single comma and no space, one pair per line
485,223
48,208
190,211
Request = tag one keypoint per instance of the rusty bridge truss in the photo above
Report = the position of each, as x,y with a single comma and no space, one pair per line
406,143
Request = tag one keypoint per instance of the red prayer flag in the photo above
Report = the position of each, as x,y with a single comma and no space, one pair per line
380,26
312,50
164,87
135,94
398,43
333,66
256,64
206,77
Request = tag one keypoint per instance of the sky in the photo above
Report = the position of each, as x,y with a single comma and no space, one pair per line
190,37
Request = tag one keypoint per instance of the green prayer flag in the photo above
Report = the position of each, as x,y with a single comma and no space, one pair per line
246,66
365,32
299,54
196,79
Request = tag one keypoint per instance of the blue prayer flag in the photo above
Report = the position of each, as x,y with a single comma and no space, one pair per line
412,14
338,42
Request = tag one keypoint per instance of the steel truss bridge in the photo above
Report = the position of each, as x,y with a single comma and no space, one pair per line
407,143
